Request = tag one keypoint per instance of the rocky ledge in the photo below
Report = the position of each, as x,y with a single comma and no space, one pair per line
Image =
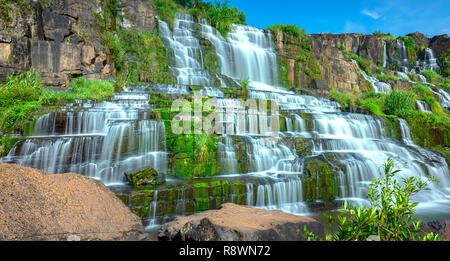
239,223
35,205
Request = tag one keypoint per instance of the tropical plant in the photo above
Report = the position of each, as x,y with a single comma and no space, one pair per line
390,216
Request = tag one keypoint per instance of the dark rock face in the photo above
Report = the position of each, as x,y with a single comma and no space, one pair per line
61,39
367,46
239,223
35,205
440,44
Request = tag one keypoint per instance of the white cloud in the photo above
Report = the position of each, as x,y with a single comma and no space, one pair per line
372,14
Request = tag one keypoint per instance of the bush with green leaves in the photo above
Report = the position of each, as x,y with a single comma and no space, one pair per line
289,29
20,88
398,102
432,76
22,96
390,215
221,16
345,99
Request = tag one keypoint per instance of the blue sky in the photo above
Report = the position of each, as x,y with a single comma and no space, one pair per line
399,17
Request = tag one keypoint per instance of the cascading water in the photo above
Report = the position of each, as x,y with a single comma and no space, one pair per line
402,59
358,142
104,140
423,106
429,62
378,86
100,140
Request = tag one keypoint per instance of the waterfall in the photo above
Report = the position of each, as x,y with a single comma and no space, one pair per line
423,106
104,140
378,86
359,143
384,54
429,62
99,140
248,53
402,56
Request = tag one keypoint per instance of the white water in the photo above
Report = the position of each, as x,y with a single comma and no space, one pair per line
423,106
378,86
102,141
358,142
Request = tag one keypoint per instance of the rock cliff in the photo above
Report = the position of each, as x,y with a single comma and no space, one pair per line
60,40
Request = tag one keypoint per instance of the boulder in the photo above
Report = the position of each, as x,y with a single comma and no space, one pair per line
240,223
142,178
35,205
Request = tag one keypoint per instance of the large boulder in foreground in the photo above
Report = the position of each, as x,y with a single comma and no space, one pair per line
239,223
35,205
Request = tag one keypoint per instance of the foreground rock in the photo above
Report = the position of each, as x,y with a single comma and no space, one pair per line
239,223
35,205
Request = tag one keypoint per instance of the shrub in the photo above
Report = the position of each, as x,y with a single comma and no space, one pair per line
386,77
398,102
167,9
431,76
221,16
390,216
422,90
293,30
345,99
20,88
91,89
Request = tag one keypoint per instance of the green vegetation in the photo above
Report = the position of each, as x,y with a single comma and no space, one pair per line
390,216
362,62
218,14
137,56
166,9
6,6
386,77
306,61
426,129
22,97
143,177
410,46
288,29
345,99
445,63
432,76
385,36
399,102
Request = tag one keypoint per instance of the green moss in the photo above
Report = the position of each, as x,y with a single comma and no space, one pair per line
432,76
143,177
6,144
319,181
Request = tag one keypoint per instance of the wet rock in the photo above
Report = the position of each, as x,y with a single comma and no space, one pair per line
239,223
35,205
142,178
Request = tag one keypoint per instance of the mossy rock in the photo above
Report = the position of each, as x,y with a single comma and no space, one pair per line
143,177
